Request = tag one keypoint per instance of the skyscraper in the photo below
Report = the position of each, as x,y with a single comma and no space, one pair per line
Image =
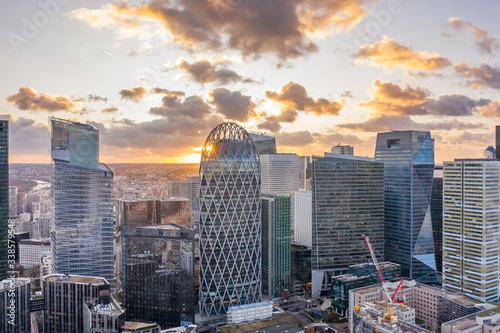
497,141
305,167
471,232
4,195
343,150
82,202
437,219
230,221
264,144
408,158
301,215
279,173
347,202
276,244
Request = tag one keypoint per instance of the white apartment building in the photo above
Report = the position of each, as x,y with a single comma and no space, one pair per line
30,251
301,216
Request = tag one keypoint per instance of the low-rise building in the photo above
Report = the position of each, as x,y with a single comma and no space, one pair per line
249,312
486,321
30,251
103,318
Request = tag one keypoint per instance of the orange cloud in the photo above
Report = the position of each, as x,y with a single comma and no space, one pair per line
482,76
135,94
388,53
29,99
484,42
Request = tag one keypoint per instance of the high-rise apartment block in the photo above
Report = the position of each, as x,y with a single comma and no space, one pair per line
471,229
4,195
276,244
158,279
280,173
408,158
66,297
230,221
264,144
347,202
82,202
15,306
342,150
301,217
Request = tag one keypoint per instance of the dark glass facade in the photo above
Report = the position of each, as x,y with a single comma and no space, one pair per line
4,195
408,157
437,220
230,221
348,201
301,267
158,281
15,317
276,243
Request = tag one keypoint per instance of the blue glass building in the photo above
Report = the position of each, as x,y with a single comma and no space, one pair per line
82,201
230,221
4,195
408,158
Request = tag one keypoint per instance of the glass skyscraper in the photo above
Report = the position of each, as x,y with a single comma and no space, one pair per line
82,201
230,221
408,158
347,202
4,195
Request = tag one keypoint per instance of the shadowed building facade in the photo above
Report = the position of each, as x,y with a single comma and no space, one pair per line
230,221
4,195
408,158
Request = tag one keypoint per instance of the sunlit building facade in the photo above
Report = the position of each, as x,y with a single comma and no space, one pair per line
408,158
82,202
230,221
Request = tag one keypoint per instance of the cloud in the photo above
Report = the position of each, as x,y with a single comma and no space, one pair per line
29,99
388,53
232,104
391,99
485,43
280,27
190,107
491,110
384,123
135,94
26,136
481,76
294,139
161,91
96,98
111,109
204,71
331,139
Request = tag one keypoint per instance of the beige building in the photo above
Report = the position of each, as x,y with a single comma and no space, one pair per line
471,211
487,321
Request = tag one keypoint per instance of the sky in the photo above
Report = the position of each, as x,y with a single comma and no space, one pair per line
156,76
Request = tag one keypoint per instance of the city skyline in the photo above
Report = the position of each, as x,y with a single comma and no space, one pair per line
156,76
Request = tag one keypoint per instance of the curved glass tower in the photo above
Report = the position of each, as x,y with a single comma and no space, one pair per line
230,221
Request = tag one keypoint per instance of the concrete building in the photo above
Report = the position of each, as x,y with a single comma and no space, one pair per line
15,306
471,232
264,144
30,251
301,217
66,297
103,318
347,202
249,312
343,150
82,202
276,244
408,158
280,173
486,321
45,263
4,197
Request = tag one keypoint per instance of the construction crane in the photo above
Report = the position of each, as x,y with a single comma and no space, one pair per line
389,316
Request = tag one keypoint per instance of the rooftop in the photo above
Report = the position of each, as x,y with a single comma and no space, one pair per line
250,306
133,325
461,299
490,312
463,323
76,279
276,328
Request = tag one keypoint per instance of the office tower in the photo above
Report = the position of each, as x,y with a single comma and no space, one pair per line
13,200
342,150
230,221
489,153
437,219
471,211
264,144
30,251
158,280
279,173
103,318
347,202
276,244
4,195
497,142
301,215
189,189
408,158
66,297
15,306
300,274
305,172
82,202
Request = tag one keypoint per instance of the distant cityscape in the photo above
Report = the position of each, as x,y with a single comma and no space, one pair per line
250,240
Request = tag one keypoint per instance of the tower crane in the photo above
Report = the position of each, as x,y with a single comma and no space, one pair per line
389,316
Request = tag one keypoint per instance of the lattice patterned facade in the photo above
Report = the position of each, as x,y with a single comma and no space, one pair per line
230,221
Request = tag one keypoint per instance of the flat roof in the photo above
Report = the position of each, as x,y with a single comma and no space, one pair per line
490,312
276,328
250,306
133,325
461,299
76,279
